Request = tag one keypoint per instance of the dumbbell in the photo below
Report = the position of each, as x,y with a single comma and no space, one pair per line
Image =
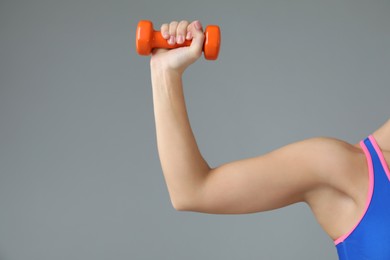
147,39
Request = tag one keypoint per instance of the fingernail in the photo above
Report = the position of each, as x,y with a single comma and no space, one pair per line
179,39
198,25
188,35
172,40
166,35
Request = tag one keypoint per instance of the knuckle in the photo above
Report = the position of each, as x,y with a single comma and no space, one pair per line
183,23
173,26
164,28
182,27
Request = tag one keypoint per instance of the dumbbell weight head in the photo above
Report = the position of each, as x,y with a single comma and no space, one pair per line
212,42
144,37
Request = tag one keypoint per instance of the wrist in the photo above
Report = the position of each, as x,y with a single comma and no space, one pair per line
164,72
162,66
165,79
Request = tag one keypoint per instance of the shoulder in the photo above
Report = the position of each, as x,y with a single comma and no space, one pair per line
322,156
334,162
341,173
330,164
324,153
319,162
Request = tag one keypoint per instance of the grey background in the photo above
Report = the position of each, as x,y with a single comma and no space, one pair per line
80,176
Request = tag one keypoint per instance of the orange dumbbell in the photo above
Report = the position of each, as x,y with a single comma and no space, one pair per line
147,39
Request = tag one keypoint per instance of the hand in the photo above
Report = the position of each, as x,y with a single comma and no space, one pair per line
179,59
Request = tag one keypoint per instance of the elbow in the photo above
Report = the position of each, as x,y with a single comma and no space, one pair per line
182,204
179,207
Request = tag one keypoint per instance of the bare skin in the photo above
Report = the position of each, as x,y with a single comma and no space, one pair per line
328,174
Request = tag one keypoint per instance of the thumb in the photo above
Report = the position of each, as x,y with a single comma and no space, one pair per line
196,30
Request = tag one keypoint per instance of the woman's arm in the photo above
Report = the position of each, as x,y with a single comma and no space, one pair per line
273,180
286,175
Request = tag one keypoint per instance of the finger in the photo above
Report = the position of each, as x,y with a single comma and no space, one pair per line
181,31
196,47
164,31
191,27
172,32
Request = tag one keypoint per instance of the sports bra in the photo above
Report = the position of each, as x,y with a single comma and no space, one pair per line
370,237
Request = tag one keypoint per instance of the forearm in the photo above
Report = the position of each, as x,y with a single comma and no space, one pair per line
182,164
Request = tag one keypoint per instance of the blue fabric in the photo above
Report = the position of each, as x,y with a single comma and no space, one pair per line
371,238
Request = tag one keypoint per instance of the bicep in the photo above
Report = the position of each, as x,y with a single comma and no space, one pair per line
273,180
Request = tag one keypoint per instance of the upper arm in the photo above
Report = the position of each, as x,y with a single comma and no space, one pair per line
273,180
